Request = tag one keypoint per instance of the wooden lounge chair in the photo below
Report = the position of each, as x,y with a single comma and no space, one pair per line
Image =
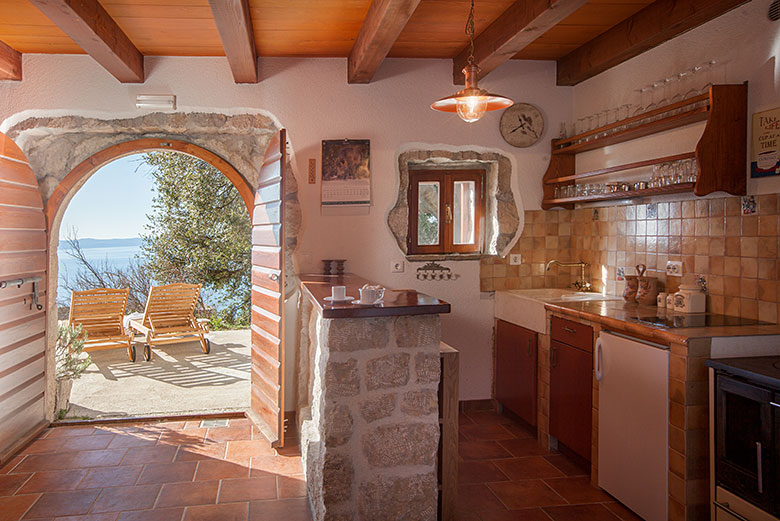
169,317
100,312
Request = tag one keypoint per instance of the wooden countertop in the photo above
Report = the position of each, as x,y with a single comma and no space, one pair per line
620,316
396,301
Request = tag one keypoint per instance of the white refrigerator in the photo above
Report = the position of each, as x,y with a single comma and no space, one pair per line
633,431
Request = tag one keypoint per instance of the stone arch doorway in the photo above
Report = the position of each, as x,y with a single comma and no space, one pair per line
250,150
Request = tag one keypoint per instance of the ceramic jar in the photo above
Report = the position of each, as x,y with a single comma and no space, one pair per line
647,291
690,298
632,285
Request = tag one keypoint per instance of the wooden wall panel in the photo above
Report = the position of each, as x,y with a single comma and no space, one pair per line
22,327
267,376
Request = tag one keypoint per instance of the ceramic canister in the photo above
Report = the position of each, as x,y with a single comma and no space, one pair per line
647,291
660,300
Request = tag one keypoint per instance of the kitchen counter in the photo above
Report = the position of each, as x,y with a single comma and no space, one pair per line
395,302
626,318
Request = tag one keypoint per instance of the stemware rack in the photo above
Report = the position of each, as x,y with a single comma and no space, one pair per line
721,152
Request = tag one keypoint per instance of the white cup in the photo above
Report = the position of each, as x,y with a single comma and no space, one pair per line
338,292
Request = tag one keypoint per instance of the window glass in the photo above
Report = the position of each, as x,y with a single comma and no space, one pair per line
428,213
464,209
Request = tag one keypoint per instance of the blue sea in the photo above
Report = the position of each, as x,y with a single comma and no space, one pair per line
117,256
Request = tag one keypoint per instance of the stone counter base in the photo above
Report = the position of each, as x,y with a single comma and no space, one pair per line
370,433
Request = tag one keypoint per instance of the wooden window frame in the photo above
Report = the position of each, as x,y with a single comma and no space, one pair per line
446,179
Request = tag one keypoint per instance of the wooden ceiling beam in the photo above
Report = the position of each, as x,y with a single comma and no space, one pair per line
383,23
234,24
88,24
658,22
521,24
10,63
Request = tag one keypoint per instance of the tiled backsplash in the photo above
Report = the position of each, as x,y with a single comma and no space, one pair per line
738,254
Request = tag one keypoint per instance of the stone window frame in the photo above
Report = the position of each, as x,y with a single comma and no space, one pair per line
504,216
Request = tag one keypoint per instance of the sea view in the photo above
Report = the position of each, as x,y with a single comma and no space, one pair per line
116,252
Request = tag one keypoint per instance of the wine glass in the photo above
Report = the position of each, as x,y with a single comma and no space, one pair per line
642,100
707,73
693,74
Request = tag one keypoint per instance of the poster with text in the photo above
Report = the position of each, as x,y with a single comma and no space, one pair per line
346,172
765,159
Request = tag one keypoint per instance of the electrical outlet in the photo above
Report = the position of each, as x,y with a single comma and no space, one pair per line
515,259
397,267
674,268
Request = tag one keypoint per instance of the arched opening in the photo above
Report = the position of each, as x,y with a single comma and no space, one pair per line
180,378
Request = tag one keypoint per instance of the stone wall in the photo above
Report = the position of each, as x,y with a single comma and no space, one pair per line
370,429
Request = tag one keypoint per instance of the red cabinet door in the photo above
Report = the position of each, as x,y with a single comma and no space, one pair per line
516,370
571,397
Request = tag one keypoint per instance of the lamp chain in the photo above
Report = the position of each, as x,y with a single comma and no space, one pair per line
470,33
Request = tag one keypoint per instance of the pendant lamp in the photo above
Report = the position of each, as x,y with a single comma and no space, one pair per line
472,102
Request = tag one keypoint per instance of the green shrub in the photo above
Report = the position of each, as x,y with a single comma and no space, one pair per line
71,360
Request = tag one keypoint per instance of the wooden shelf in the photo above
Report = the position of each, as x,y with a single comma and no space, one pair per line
681,119
631,194
619,168
721,153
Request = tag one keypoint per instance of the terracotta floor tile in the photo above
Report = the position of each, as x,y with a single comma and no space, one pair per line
217,469
486,432
240,432
227,512
283,465
56,432
183,437
201,451
533,467
116,429
464,420
162,514
168,472
284,509
521,431
118,499
156,454
53,481
42,462
477,498
526,514
11,465
10,483
250,489
104,516
526,494
482,450
187,494
238,450
291,486
76,443
567,466
462,515
12,508
239,422
134,439
44,445
98,458
622,511
119,476
71,503
581,513
479,471
524,447
578,490
485,417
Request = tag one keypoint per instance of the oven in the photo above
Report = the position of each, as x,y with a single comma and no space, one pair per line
747,439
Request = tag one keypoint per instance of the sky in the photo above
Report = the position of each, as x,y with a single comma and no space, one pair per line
113,203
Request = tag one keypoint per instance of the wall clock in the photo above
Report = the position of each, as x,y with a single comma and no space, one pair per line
521,125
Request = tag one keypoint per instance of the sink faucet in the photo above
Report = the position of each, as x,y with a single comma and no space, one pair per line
582,284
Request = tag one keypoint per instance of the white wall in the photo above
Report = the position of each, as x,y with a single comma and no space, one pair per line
312,99
744,42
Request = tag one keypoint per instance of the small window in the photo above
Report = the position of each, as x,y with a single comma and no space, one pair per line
446,211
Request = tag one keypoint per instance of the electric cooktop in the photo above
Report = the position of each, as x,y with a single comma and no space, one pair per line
672,321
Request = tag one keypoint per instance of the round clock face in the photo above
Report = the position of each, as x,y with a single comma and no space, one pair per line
522,125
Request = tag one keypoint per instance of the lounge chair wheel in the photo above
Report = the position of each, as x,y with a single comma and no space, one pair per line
207,349
147,352
131,353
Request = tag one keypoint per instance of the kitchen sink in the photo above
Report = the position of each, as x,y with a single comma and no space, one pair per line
525,307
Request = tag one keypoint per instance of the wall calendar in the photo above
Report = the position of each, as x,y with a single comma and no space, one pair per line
346,172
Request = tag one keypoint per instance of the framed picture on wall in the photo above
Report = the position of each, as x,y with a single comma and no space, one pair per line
346,172
765,157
